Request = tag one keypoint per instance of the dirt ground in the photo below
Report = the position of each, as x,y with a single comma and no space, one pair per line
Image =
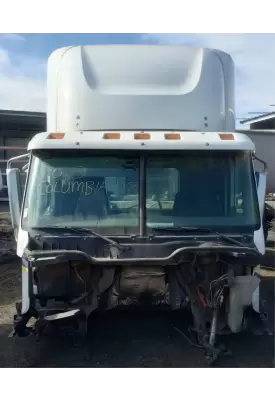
7,243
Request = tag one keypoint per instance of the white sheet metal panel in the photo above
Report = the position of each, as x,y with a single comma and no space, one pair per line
188,141
140,87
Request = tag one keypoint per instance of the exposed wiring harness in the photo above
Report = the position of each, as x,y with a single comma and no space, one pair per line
214,297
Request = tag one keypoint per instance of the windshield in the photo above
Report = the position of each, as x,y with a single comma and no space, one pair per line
211,189
102,192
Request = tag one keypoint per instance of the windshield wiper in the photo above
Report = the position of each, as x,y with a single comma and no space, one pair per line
198,229
83,230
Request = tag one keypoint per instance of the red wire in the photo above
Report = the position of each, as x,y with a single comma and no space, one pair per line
201,297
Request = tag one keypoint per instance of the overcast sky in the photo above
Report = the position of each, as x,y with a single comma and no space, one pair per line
23,64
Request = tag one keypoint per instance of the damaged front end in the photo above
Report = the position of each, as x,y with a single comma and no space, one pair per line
215,281
146,248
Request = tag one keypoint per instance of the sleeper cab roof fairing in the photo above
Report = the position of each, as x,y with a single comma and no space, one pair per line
128,87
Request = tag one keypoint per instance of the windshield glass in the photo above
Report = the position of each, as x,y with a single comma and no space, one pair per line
203,189
210,189
101,193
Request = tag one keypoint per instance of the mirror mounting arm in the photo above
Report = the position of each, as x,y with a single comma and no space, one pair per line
261,161
9,162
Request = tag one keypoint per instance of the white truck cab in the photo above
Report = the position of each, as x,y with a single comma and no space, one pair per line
139,189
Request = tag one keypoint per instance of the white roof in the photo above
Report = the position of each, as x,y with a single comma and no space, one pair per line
127,87
187,141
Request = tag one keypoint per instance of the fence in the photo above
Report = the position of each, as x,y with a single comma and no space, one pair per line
9,152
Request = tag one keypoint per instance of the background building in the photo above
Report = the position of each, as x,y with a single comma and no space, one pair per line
264,121
16,129
261,129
